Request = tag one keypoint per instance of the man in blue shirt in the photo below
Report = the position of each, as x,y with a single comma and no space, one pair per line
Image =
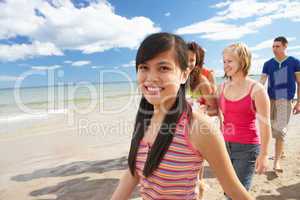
282,73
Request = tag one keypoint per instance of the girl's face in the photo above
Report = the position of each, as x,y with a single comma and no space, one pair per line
231,64
192,59
159,78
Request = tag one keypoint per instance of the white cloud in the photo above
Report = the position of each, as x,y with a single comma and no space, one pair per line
4,78
221,4
294,53
225,25
289,11
81,63
23,51
219,72
68,61
256,66
254,55
294,47
130,64
248,8
17,17
263,45
167,14
232,34
94,28
267,44
23,64
45,68
97,67
217,30
208,26
214,30
258,23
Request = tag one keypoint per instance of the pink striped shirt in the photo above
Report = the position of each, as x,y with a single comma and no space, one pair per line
176,176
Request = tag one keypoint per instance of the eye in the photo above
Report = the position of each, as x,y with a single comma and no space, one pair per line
164,68
142,68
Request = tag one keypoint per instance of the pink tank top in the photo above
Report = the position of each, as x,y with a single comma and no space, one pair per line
239,123
176,175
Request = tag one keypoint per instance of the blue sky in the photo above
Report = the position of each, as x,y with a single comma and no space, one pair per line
94,40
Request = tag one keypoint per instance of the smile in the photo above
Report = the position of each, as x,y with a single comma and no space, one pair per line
153,90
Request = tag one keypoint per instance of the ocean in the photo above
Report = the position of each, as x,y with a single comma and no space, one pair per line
35,103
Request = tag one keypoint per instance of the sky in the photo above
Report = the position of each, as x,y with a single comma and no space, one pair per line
50,42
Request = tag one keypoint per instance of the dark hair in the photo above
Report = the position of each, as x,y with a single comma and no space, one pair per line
194,81
152,46
198,51
281,39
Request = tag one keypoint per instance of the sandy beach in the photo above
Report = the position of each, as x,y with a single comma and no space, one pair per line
84,159
73,73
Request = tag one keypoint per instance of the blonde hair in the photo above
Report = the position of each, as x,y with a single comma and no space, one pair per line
243,54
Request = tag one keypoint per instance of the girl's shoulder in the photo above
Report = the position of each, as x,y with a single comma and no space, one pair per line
202,131
202,125
254,83
221,86
207,72
203,78
255,87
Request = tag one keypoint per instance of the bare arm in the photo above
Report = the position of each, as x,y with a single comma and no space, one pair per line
210,143
263,79
126,186
262,104
207,91
296,109
212,81
220,114
204,85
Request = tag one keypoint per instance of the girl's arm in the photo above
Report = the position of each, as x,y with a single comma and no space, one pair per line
207,139
126,186
220,114
207,91
262,105
212,80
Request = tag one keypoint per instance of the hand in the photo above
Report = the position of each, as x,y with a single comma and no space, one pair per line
202,188
296,109
203,108
261,164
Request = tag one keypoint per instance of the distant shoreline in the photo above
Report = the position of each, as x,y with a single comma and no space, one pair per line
69,84
72,84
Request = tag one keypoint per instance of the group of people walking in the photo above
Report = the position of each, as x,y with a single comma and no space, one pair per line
172,137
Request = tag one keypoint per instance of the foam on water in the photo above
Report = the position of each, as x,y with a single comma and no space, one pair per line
32,116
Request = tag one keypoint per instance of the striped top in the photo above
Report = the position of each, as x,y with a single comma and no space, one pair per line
176,175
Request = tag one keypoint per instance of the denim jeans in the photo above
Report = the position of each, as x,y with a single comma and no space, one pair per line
243,158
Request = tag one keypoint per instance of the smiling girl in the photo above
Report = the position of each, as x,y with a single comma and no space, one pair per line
170,141
243,101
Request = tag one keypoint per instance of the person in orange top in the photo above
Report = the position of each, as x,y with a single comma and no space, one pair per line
205,71
201,83
201,90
